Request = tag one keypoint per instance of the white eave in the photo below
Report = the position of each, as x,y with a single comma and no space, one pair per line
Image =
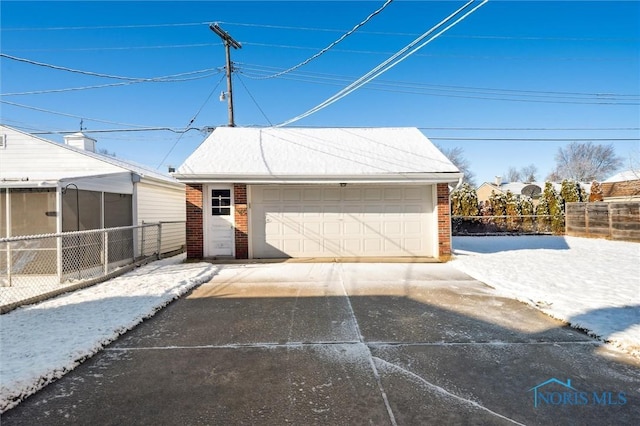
450,177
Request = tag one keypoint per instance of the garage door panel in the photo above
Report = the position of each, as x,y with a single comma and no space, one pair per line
392,194
331,228
331,194
272,228
393,228
371,228
312,194
351,228
412,194
292,246
311,245
290,229
412,244
372,194
270,195
352,194
412,228
413,209
312,221
291,194
395,209
391,243
372,245
352,246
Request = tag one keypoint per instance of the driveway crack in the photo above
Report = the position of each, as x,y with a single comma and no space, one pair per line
443,391
372,363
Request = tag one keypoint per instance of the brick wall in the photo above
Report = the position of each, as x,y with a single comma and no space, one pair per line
444,222
194,221
241,219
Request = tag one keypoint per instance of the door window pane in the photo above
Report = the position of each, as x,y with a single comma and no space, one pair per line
221,202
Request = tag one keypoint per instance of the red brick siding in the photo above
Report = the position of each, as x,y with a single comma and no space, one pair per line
444,222
194,222
241,220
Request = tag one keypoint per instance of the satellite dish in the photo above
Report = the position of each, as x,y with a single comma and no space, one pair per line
531,190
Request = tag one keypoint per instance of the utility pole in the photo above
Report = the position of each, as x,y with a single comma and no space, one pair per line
228,42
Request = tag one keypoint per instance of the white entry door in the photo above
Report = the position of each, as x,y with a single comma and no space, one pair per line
220,225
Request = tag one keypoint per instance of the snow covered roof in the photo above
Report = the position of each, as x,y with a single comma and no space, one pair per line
45,160
272,154
624,176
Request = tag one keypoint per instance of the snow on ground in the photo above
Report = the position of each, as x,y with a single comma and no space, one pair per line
593,284
41,342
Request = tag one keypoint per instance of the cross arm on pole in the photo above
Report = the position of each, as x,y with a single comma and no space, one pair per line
225,36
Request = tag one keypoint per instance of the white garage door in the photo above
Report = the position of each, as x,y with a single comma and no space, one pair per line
334,221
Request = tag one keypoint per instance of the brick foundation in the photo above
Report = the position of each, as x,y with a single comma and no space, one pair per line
444,222
194,221
241,220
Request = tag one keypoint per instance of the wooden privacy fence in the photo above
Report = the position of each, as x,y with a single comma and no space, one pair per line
616,221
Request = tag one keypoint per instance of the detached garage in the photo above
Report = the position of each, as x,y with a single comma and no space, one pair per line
317,192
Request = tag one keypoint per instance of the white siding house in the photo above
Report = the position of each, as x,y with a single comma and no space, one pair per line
39,179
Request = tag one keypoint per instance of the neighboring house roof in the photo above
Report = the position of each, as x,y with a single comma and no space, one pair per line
517,188
271,154
522,188
624,185
627,175
79,162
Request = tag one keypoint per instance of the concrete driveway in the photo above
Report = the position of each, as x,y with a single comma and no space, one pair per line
344,344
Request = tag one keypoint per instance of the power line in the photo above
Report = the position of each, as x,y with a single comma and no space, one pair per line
334,30
254,100
385,66
85,49
481,93
100,86
95,74
348,51
425,55
195,116
143,129
326,76
69,115
105,27
331,45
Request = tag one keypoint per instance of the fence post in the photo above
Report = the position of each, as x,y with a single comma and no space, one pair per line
106,252
60,258
159,239
609,216
142,243
585,214
8,264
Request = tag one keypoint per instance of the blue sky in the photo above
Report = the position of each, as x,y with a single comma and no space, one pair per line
506,73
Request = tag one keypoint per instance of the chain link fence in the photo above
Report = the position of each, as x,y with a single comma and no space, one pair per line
502,225
36,267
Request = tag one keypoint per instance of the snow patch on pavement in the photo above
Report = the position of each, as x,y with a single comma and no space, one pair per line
42,342
592,284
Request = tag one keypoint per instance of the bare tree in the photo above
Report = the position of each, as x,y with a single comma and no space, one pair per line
456,156
512,175
585,162
105,151
528,173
